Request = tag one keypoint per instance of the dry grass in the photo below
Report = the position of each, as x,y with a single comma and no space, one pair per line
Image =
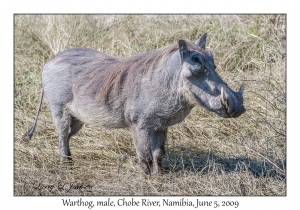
206,154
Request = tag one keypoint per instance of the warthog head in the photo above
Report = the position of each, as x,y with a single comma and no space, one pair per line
201,83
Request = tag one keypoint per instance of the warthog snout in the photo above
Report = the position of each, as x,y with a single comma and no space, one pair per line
233,102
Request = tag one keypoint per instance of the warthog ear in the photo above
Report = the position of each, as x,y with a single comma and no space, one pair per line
241,91
202,41
182,49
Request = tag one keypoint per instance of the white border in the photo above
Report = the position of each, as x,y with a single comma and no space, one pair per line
154,6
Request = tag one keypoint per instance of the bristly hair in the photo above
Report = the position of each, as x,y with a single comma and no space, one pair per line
117,70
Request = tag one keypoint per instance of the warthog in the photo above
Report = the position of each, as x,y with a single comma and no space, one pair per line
147,92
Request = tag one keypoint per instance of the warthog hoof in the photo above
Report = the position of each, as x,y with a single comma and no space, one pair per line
66,160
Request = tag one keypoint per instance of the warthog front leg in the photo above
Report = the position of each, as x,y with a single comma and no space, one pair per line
150,148
158,150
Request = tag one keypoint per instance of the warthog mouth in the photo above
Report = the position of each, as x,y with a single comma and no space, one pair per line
223,112
237,112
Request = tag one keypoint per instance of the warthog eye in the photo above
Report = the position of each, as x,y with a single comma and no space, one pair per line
197,66
196,60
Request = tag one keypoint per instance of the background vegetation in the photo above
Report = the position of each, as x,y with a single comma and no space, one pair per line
206,154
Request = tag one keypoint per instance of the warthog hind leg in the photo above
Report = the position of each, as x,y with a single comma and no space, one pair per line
75,126
61,117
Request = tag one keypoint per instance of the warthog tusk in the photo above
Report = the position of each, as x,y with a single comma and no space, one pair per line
223,98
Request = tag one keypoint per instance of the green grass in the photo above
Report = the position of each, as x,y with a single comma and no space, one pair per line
206,154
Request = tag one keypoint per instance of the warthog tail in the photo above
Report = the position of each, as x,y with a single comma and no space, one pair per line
27,136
